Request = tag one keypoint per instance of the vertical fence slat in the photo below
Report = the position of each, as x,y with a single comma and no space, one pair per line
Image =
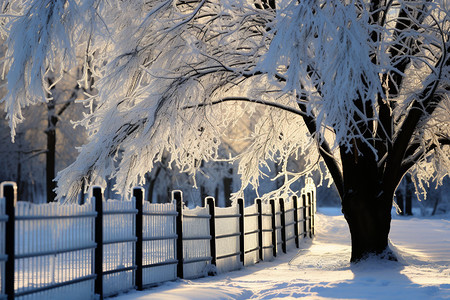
9,192
241,230
98,254
260,227
138,194
274,227
283,225
212,228
313,213
296,231
178,197
305,220
310,213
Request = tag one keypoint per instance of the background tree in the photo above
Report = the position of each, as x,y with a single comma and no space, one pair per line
404,196
46,140
22,162
360,85
45,143
61,107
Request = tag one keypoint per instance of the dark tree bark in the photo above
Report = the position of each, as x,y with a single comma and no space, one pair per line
216,194
51,152
368,214
408,196
404,197
203,194
19,173
435,206
227,188
52,121
366,203
400,201
151,186
366,181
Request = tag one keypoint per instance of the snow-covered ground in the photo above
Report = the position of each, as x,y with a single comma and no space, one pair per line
321,269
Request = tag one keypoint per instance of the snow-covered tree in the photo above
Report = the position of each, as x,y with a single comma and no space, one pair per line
61,138
360,85
44,144
46,140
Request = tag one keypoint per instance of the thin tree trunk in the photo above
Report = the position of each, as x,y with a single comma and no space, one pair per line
227,189
400,201
203,194
19,173
151,187
216,194
83,186
51,152
408,196
435,206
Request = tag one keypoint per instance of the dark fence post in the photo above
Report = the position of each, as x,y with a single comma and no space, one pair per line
212,228
274,227
138,194
178,197
313,215
305,218
9,192
283,225
260,232
98,267
310,208
296,231
240,202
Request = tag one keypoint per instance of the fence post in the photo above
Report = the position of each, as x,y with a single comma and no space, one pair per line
274,228
297,242
212,228
310,215
178,197
241,206
97,193
138,194
9,192
313,213
305,218
283,225
260,227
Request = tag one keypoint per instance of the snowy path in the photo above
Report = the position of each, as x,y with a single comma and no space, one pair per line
321,269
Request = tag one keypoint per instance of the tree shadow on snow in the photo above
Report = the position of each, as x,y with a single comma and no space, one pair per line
379,279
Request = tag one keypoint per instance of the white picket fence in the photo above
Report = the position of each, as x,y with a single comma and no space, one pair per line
159,242
56,250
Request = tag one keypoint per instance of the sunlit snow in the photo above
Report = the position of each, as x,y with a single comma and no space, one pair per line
321,269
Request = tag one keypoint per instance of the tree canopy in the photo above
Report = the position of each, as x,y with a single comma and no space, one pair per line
358,85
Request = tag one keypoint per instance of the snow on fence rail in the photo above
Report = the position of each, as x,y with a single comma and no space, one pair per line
105,247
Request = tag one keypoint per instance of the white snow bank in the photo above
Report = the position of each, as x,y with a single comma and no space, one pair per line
321,269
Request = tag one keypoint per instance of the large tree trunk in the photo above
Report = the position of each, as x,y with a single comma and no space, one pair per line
369,222
366,203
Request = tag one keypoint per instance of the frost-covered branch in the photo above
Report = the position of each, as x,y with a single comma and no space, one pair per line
256,101
358,84
42,36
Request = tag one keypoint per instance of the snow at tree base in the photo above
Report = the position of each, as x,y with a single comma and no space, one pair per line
357,90
321,268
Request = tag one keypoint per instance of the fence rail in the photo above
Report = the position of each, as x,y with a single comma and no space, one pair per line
105,247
